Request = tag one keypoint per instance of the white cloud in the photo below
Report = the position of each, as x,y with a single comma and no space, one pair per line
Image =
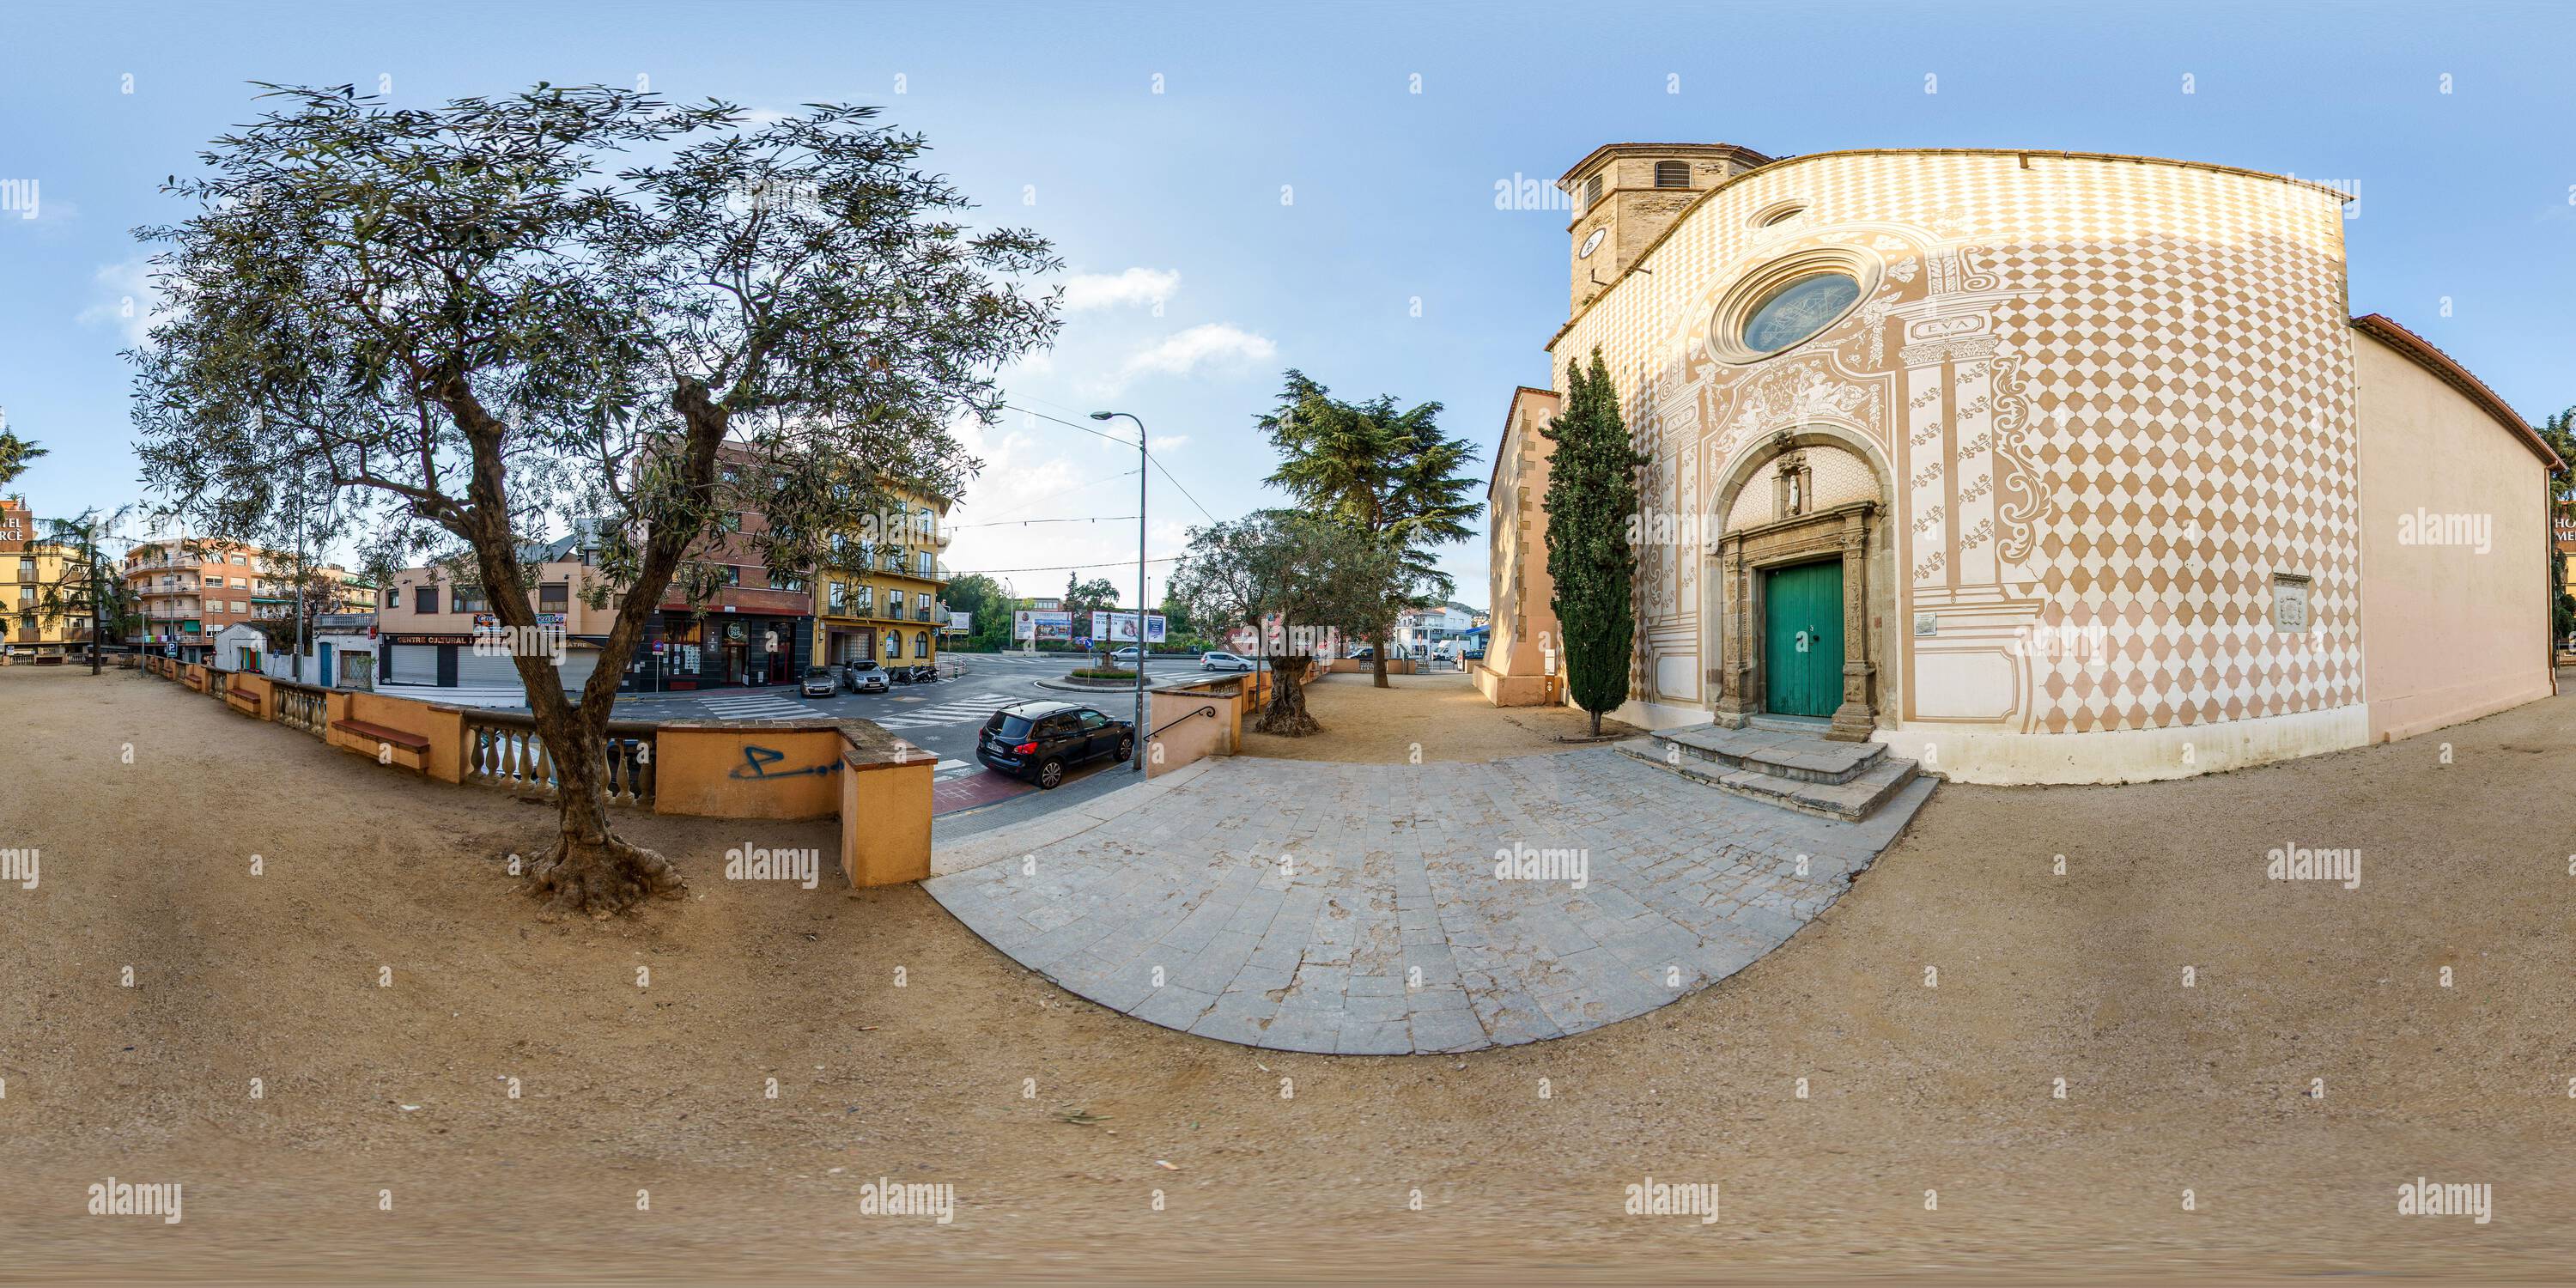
1211,343
1134,286
27,206
1170,442
126,298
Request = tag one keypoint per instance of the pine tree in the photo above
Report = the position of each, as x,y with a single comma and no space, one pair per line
1591,499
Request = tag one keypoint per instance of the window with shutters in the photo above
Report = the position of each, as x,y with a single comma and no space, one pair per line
1672,174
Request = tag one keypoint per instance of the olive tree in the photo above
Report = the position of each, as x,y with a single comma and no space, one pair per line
1297,579
476,323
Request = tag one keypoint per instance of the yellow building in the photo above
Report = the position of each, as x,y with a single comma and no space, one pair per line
31,565
893,611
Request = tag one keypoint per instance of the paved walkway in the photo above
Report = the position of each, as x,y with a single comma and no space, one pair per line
1358,908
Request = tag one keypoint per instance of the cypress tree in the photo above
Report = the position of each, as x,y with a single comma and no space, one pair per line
1591,501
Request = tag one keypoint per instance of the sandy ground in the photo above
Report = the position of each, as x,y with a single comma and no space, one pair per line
1439,713
904,1048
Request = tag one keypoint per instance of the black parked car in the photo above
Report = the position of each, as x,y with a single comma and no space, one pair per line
1038,741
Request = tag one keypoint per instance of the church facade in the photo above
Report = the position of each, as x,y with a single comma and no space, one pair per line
2038,467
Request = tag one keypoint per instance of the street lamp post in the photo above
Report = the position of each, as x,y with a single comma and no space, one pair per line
1136,758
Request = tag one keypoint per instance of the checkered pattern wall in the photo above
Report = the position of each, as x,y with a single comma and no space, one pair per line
2142,371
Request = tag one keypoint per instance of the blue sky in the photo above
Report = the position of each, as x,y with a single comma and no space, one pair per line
1389,269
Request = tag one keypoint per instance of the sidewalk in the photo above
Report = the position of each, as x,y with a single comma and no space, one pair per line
1364,910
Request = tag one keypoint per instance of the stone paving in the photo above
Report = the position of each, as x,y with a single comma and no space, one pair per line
1357,909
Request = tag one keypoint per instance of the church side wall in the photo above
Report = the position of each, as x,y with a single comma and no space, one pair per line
1513,672
2454,619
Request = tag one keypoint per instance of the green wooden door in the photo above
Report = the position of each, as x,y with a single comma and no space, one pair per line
1802,659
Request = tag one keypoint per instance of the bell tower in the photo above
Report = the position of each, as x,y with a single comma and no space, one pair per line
1626,194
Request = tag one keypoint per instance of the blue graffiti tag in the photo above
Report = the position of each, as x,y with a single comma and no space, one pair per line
757,760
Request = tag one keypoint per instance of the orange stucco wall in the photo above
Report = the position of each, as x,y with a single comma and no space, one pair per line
739,771
885,820
877,784
444,727
1192,737
2449,632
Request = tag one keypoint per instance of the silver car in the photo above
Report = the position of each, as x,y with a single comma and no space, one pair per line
1216,661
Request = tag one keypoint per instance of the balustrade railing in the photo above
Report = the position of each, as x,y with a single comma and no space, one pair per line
301,706
506,751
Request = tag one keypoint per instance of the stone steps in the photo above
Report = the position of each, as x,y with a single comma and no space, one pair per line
1787,753
1848,781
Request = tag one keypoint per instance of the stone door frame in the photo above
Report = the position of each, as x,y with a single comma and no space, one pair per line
1742,556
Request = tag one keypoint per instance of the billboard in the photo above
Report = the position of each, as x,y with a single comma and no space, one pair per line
1120,628
962,623
1036,626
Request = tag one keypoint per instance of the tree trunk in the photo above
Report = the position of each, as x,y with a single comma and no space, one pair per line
1286,714
1377,662
589,870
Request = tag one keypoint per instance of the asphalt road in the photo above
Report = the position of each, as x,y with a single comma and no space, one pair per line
941,718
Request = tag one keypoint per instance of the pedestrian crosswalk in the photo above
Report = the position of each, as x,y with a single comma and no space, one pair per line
955,711
760,706
948,770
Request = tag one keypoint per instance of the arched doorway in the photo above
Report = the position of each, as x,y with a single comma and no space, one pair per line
1797,620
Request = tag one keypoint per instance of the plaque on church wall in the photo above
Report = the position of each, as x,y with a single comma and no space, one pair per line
2289,601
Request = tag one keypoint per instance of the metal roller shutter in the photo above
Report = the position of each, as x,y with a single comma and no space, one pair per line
486,671
411,664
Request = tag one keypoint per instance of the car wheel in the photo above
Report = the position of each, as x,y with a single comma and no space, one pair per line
1050,773
1126,749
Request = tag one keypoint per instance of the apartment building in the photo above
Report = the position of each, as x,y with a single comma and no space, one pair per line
892,611
428,622
757,625
187,590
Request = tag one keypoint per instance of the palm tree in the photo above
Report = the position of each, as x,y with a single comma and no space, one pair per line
90,584
15,453
1389,473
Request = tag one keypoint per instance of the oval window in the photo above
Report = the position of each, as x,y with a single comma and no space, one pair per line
1797,310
